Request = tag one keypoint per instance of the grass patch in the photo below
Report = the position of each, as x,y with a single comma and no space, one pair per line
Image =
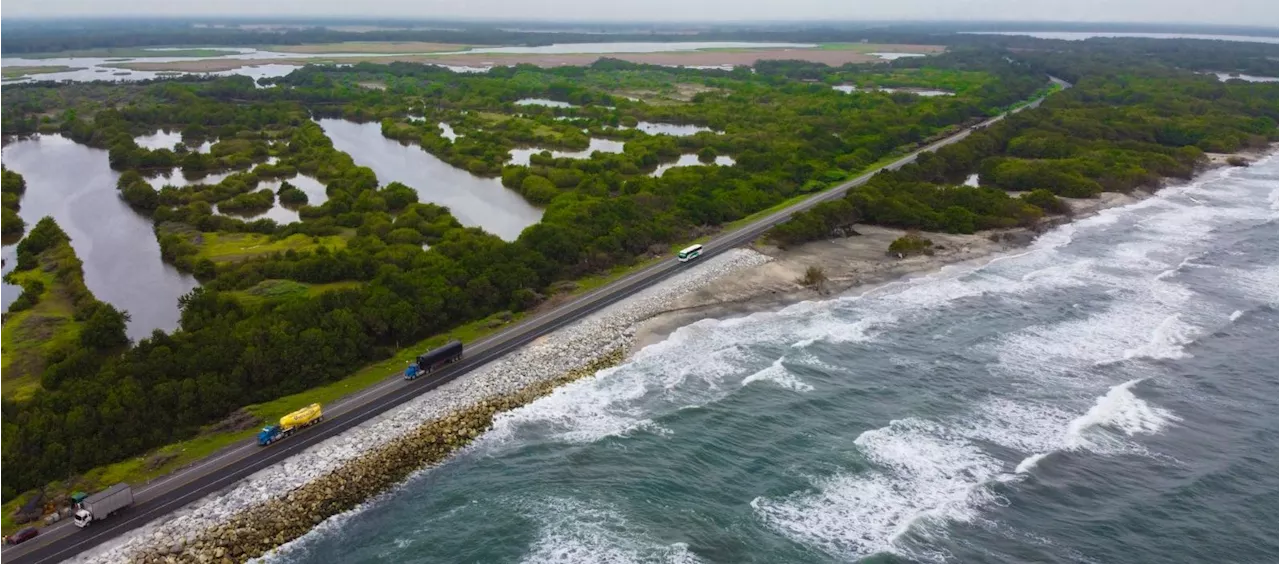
227,247
493,118
7,524
597,280
19,72
135,471
138,471
379,371
28,336
279,290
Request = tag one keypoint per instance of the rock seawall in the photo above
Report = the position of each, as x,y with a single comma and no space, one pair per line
261,528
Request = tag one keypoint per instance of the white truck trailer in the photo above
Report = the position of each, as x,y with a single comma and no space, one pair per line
103,504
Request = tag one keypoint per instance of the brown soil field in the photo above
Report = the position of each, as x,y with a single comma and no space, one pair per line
834,57
369,47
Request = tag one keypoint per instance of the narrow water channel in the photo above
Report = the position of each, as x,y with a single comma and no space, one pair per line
475,201
122,266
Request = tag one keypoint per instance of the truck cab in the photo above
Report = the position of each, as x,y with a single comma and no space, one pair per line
268,435
411,372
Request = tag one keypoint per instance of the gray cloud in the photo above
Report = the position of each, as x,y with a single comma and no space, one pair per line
1243,12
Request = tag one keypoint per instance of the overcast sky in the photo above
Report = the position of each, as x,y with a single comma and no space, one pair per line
1244,12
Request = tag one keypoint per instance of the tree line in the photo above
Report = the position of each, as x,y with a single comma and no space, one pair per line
12,187
1116,133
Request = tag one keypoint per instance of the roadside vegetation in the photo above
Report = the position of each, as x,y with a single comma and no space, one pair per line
285,311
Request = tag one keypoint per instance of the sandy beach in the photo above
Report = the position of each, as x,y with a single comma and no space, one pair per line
853,264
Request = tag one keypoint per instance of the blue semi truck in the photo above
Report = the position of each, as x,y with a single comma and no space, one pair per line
434,359
300,419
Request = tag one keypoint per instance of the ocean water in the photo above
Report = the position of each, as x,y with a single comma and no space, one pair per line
1107,395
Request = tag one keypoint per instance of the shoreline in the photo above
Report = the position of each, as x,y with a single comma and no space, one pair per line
855,264
860,263
738,282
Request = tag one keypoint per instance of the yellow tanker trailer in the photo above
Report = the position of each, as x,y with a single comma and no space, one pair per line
302,418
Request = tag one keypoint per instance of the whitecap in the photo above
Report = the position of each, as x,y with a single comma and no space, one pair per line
1119,411
1029,463
1167,340
779,375
924,479
573,531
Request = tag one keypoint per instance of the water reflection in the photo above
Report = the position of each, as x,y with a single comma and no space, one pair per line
475,201
543,102
521,156
169,140
1222,76
448,132
691,160
88,69
673,129
175,177
849,88
281,213
1082,35
894,56
122,265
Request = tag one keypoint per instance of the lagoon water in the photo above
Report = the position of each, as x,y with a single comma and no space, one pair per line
849,89
175,177
1245,77
1106,395
1082,35
521,156
690,159
74,184
279,212
475,201
672,129
103,68
169,140
543,102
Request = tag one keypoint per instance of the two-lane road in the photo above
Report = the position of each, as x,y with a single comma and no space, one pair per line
228,466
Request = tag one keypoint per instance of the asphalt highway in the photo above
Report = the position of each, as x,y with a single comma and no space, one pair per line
232,464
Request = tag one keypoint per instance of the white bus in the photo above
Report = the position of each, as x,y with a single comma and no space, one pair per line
690,253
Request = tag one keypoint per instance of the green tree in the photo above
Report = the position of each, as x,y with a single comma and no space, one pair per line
104,328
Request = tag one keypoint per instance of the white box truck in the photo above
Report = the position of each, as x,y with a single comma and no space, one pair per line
103,504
